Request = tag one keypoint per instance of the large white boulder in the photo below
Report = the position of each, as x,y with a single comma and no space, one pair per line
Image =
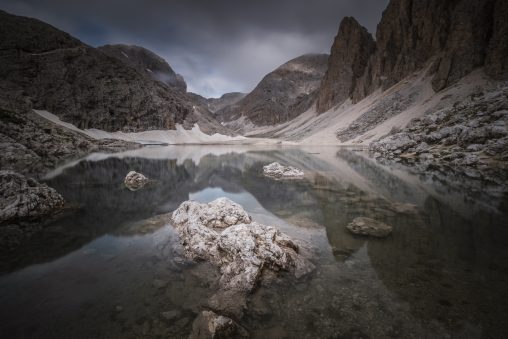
222,233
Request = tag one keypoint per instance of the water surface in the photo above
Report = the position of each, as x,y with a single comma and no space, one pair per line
103,271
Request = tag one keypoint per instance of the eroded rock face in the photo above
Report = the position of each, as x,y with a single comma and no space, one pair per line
369,227
349,56
134,180
25,198
277,170
222,233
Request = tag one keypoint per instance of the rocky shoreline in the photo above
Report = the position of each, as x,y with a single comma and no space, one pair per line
470,138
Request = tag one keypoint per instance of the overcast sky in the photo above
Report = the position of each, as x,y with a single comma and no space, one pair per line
218,46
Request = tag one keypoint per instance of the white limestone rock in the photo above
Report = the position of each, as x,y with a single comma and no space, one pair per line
277,170
220,213
240,250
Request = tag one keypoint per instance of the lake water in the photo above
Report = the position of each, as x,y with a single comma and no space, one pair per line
105,270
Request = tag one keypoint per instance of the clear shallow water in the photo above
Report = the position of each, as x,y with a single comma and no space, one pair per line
103,271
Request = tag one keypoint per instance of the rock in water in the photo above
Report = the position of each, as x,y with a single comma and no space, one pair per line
369,227
222,233
25,198
211,325
135,180
279,171
220,213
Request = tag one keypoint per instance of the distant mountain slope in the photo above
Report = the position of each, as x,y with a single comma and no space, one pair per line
147,62
82,85
281,95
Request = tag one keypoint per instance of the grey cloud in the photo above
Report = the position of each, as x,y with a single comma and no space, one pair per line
218,46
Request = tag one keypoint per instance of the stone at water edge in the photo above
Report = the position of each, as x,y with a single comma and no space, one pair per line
210,325
279,171
369,227
134,180
25,198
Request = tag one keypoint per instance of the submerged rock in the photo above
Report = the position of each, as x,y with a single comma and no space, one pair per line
369,227
135,180
210,325
25,198
279,171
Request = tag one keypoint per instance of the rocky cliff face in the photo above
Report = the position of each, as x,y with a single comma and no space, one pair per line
282,94
146,62
453,37
349,56
82,85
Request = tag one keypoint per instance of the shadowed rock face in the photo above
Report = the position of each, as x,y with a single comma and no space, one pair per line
458,35
82,85
350,54
146,62
282,94
453,37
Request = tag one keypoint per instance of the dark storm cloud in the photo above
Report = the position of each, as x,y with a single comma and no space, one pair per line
218,46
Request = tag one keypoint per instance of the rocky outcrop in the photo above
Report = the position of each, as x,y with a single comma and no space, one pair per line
25,198
348,59
146,62
32,145
53,71
134,180
471,136
279,171
282,94
369,227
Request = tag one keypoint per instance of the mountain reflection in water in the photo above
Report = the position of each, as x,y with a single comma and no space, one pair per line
105,271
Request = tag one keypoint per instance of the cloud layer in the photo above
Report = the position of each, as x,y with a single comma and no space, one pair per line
218,46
